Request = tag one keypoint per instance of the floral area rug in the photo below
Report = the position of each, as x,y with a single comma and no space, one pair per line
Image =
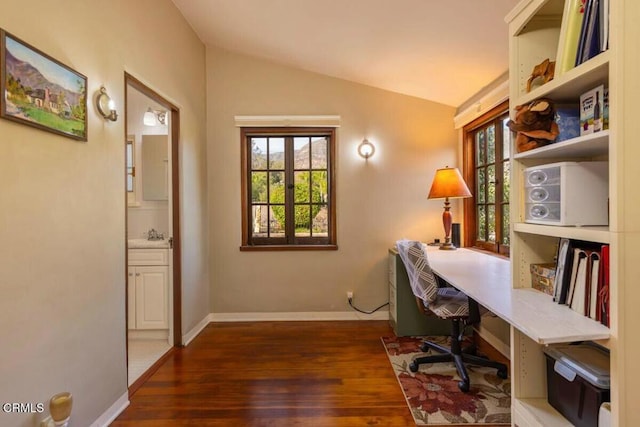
432,393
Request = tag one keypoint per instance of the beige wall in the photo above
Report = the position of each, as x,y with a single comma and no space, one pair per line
62,210
378,201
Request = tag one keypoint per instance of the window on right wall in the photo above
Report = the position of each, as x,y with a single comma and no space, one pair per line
486,148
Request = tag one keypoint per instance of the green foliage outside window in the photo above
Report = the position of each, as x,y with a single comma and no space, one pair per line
301,192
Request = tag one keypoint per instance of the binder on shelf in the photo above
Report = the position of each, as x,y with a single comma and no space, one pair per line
594,283
563,271
603,293
585,295
581,280
578,286
569,35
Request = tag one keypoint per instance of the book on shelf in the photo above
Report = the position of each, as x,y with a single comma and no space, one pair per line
605,108
568,121
569,35
604,24
582,278
589,42
591,110
594,31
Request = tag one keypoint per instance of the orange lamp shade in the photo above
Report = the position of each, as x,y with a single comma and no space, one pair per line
448,183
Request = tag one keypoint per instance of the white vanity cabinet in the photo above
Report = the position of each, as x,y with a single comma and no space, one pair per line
148,289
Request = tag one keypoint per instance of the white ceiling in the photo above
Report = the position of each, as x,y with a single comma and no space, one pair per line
440,50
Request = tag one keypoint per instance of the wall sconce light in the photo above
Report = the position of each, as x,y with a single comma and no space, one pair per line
106,106
366,149
153,118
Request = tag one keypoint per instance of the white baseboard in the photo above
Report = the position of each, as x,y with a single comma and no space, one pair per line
495,342
189,336
112,413
297,316
151,334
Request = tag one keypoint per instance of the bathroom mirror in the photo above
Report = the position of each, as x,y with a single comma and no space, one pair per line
155,167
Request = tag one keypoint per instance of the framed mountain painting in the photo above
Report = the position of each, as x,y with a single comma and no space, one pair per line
39,91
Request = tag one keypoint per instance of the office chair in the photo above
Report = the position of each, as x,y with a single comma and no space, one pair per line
446,303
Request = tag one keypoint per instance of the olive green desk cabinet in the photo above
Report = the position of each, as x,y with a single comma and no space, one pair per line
404,316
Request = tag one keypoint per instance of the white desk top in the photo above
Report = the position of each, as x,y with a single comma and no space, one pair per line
487,279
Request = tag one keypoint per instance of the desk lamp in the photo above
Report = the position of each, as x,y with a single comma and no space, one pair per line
448,183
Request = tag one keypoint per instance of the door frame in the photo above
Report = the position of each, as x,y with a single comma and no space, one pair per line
175,205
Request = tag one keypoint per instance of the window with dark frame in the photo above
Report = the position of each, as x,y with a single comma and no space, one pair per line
487,144
288,188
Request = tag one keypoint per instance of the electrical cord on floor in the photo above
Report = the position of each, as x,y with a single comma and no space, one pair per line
364,311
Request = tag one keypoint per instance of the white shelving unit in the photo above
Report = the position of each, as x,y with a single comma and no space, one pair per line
599,234
592,145
534,31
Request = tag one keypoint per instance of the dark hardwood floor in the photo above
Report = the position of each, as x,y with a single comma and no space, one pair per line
274,374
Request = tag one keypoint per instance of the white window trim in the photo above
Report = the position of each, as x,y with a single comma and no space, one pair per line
287,121
495,97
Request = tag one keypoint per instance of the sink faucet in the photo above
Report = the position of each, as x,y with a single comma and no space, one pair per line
154,235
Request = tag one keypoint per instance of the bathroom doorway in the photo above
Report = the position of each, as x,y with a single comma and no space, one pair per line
153,234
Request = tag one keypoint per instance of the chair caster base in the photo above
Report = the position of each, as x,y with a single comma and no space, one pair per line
502,373
413,367
463,386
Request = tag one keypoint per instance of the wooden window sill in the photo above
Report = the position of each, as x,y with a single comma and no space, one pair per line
252,248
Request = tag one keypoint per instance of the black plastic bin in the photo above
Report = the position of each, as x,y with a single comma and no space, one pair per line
578,381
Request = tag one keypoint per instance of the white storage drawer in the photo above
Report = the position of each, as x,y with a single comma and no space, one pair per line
543,193
543,175
543,211
148,256
567,193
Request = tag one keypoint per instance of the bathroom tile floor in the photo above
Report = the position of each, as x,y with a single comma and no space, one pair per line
142,354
